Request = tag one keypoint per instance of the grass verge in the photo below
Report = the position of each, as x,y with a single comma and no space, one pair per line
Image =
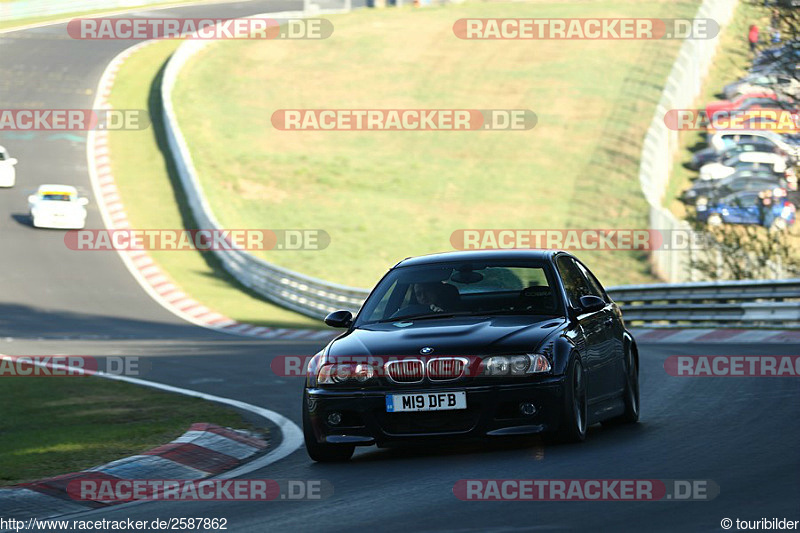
384,196
153,197
53,425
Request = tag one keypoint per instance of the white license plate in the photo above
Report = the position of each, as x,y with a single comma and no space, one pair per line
428,401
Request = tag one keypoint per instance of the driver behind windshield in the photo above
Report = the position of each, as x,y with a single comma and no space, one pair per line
429,296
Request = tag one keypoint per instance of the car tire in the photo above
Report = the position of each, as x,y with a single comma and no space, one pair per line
575,411
322,452
714,220
631,395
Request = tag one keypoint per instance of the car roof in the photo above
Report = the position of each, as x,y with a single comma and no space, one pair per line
480,255
759,133
52,187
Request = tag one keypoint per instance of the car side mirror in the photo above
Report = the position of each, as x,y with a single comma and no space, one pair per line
339,319
31,198
590,304
12,161
83,201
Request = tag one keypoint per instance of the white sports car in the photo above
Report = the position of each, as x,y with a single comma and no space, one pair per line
8,174
57,206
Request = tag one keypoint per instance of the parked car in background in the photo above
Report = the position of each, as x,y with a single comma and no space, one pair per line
704,192
776,53
780,84
747,101
8,174
746,160
789,144
747,207
712,155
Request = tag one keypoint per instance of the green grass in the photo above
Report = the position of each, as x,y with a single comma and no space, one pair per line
56,425
384,196
153,197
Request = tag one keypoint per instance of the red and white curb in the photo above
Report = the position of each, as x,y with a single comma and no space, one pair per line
204,450
146,272
716,336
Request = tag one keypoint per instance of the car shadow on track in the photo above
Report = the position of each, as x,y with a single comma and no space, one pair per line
535,446
22,219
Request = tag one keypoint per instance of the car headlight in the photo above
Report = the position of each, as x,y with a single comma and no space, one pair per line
334,373
363,372
496,366
516,365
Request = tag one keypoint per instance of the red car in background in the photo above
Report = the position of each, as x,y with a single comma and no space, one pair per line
767,100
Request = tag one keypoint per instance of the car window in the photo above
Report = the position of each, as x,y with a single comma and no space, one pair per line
575,283
462,289
594,284
743,200
57,197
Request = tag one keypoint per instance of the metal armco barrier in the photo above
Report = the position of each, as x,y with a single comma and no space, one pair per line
729,303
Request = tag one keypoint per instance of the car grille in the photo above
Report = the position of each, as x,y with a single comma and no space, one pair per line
446,368
405,371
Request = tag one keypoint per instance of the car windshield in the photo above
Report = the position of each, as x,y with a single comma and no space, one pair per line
57,197
426,292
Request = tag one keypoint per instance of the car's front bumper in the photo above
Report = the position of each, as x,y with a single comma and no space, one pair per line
492,410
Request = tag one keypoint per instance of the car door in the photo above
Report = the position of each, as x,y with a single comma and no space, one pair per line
742,209
612,350
592,325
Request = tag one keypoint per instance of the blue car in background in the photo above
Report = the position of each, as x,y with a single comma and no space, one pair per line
747,207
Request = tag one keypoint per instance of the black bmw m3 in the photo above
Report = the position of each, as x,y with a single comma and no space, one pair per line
472,345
